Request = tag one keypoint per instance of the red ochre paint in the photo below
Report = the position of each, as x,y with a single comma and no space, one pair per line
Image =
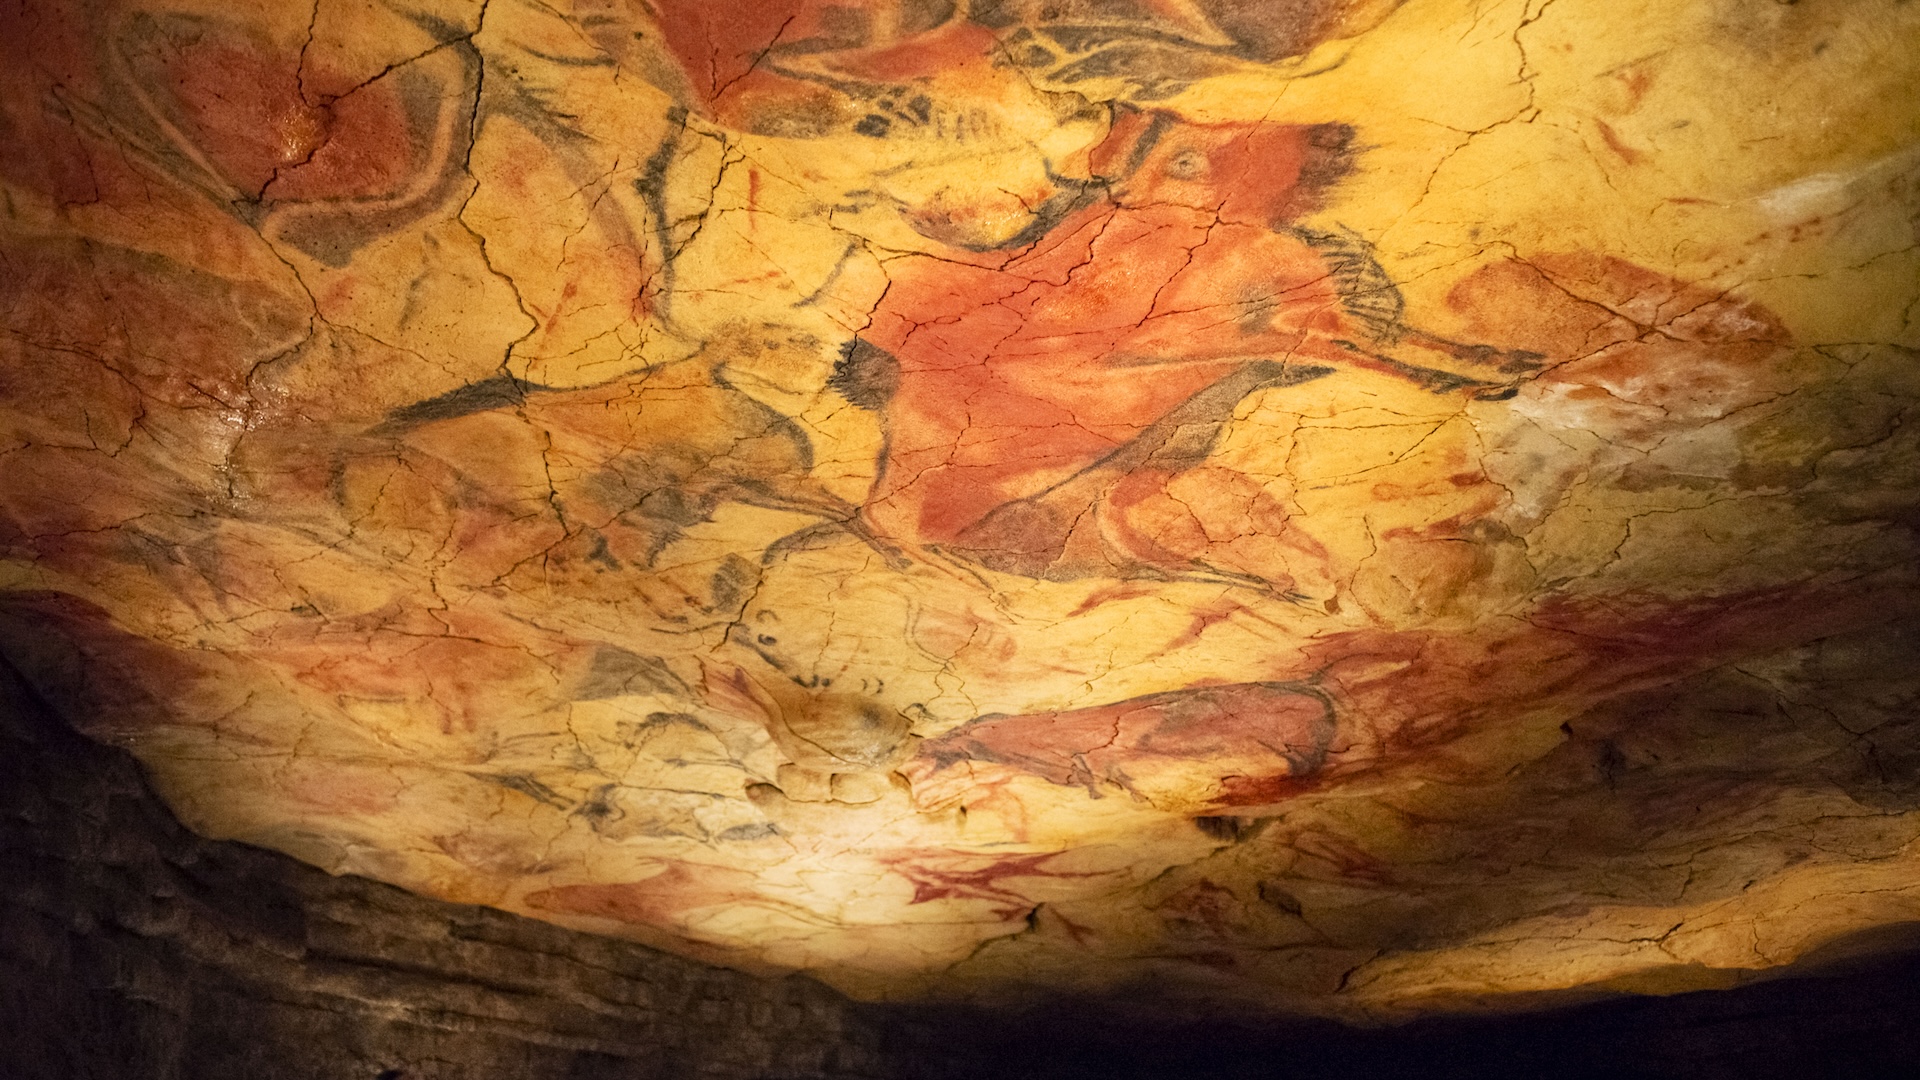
1019,369
1251,731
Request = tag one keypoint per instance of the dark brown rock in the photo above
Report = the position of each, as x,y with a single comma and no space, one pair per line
131,948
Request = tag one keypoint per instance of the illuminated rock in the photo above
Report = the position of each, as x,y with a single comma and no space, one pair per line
1350,507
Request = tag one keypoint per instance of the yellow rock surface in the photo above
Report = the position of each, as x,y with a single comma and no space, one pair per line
1356,507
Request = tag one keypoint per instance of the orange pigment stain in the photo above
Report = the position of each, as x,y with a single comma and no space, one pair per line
1255,733
951,875
1027,366
661,900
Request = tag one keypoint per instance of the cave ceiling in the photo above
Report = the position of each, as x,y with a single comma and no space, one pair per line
1356,507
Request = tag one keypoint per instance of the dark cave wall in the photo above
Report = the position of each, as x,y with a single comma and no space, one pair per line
130,948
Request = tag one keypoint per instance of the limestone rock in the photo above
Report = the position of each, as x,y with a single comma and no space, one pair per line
1354,507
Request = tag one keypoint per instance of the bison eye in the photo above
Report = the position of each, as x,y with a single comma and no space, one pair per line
1187,165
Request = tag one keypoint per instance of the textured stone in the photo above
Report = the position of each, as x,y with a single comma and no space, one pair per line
1354,507
131,948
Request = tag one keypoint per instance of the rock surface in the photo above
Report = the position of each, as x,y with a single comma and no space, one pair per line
1349,507
131,948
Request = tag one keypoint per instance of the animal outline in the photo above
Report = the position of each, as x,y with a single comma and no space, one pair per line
1036,394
